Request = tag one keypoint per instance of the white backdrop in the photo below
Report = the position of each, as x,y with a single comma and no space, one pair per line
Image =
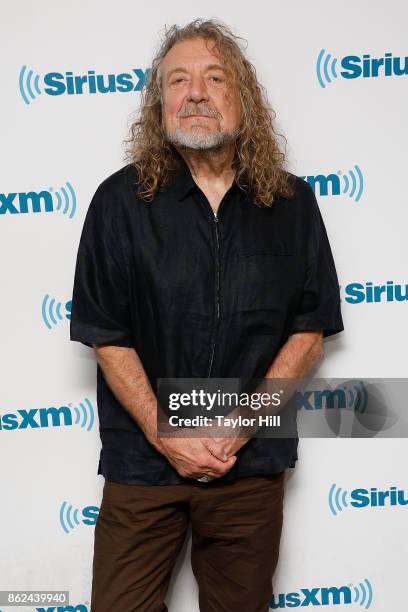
65,145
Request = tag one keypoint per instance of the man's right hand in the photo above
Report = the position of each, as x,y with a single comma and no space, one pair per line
192,459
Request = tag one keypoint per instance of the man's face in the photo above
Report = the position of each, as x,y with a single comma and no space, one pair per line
199,110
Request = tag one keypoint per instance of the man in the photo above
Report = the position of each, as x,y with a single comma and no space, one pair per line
201,258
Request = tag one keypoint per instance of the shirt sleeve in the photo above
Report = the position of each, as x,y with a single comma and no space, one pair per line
100,308
319,306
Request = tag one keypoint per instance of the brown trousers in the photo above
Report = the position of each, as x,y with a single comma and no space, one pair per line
235,529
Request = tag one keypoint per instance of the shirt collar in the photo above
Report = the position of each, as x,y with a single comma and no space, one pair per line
183,181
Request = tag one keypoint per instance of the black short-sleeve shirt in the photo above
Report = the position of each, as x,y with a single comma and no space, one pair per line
197,295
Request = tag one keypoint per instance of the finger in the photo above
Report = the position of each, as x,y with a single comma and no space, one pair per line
212,475
218,467
217,452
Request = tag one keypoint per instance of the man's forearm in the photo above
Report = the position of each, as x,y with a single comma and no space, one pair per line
294,360
297,356
126,376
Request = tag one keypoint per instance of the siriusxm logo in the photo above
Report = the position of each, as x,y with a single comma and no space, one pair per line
361,595
339,499
356,66
77,608
357,293
37,418
46,200
354,398
350,183
68,83
68,516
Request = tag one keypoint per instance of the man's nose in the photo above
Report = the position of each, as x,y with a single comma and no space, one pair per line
197,89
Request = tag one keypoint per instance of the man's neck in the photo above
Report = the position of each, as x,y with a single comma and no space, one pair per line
210,167
212,171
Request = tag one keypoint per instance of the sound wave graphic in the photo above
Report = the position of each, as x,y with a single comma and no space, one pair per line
85,411
68,517
353,183
66,200
29,85
337,499
358,397
363,594
325,68
51,311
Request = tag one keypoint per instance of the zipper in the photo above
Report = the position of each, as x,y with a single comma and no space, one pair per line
217,291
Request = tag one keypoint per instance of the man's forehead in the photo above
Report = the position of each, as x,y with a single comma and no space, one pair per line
190,52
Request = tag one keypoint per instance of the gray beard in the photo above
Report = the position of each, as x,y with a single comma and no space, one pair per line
200,141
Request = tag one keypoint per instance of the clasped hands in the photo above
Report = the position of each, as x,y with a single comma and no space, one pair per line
209,455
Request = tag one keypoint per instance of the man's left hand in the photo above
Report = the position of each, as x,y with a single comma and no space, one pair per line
224,448
220,446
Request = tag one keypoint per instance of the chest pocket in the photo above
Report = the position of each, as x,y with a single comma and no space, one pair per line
267,278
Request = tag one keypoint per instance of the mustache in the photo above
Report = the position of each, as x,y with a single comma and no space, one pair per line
197,111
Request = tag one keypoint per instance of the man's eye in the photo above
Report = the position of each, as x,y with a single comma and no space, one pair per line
179,80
